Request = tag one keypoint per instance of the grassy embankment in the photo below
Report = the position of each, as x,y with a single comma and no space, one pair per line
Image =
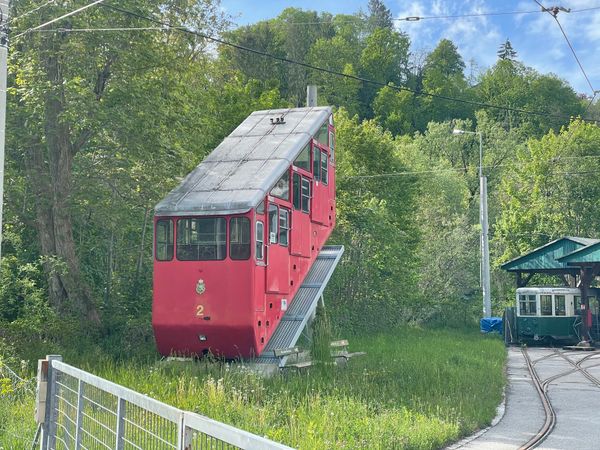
416,389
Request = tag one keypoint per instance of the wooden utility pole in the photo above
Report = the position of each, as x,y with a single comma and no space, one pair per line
4,6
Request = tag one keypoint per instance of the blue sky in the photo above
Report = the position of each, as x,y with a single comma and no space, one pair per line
536,37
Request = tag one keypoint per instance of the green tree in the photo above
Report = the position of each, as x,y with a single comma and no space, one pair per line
443,74
99,128
512,84
384,59
506,51
548,192
379,16
373,287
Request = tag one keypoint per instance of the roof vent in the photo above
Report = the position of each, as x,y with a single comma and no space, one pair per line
277,120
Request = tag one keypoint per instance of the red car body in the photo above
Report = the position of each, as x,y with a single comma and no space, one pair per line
223,280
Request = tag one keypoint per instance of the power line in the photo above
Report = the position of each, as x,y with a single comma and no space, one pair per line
463,169
336,73
92,30
69,14
554,13
43,5
454,16
499,13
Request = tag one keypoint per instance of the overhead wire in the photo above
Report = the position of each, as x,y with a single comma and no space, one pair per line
64,16
31,11
93,30
333,72
554,16
165,26
450,16
463,169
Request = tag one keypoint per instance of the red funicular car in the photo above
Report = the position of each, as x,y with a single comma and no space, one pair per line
234,241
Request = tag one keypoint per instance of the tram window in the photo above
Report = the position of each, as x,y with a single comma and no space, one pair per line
323,134
527,305
282,188
284,226
260,209
297,190
201,239
560,305
260,241
239,238
303,159
316,163
164,240
305,195
546,305
324,167
273,219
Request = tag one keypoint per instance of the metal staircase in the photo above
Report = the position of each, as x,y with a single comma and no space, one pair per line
303,306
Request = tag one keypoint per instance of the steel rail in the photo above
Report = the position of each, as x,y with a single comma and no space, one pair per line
542,389
550,420
578,365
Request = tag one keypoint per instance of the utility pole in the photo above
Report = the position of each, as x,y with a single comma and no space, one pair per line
483,221
4,7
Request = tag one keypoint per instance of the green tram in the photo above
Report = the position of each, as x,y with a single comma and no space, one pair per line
547,314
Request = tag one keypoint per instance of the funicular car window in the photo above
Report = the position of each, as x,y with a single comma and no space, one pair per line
260,240
332,144
296,190
527,306
560,305
324,167
202,239
305,195
164,240
273,219
546,305
303,159
316,163
323,134
239,238
284,226
282,187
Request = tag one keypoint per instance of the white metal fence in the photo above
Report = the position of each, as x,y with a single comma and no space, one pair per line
79,410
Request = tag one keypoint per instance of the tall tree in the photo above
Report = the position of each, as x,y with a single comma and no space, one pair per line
383,59
76,109
512,84
506,51
380,15
443,74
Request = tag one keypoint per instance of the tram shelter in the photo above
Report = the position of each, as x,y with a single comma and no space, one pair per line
574,260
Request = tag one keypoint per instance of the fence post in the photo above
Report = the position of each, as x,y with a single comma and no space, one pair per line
120,424
80,386
51,402
41,395
185,435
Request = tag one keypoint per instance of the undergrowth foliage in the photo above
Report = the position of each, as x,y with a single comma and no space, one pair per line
415,389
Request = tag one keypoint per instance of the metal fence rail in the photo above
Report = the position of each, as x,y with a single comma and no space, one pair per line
83,411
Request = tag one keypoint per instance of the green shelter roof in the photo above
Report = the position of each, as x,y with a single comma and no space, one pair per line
588,254
548,258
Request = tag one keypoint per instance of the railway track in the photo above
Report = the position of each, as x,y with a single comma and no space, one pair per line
542,389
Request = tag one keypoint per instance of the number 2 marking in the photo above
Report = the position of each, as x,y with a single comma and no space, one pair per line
199,310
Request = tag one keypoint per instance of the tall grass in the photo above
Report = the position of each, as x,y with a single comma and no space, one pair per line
415,389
